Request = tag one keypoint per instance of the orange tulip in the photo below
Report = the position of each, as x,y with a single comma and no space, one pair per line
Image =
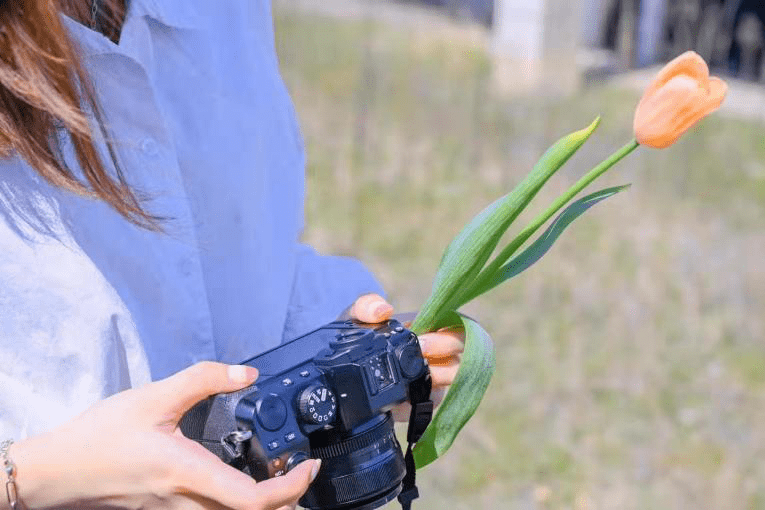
681,95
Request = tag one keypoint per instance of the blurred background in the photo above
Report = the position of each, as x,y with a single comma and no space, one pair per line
631,358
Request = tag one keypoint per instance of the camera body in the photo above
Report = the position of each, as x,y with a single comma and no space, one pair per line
324,395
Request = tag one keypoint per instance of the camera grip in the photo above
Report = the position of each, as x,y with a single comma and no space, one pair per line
212,419
193,423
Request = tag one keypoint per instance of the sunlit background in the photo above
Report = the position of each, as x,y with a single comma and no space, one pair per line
631,358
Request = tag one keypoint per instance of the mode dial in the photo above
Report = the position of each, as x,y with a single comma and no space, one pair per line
317,404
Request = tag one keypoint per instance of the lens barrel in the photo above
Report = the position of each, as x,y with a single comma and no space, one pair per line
361,469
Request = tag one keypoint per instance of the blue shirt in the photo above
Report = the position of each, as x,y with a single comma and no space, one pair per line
89,303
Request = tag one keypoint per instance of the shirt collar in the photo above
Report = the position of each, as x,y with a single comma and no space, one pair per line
173,13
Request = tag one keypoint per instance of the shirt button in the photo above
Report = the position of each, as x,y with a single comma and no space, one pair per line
185,266
150,147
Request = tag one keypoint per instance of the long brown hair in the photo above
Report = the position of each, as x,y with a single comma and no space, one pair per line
44,87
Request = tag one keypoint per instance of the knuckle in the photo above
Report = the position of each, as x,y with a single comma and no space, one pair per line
207,373
204,367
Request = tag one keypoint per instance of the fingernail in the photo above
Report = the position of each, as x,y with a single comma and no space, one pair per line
242,374
423,344
315,470
382,311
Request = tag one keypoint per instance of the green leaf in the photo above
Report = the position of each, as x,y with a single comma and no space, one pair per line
539,247
480,281
467,254
464,395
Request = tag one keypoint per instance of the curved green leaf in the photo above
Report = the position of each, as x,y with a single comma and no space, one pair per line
464,395
539,247
487,272
467,254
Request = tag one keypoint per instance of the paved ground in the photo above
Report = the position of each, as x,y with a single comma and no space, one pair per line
745,100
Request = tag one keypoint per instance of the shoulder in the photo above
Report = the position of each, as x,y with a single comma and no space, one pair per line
42,268
66,339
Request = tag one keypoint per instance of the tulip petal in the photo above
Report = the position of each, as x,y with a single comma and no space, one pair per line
718,89
689,64
679,97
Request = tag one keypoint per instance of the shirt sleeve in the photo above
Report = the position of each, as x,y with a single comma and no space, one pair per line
324,286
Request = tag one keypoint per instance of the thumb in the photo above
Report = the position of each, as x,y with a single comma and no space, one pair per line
371,308
286,490
175,395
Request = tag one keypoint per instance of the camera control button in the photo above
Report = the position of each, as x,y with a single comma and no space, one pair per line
272,412
287,381
288,438
273,445
305,373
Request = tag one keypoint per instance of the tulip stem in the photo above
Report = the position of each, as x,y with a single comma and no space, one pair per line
482,282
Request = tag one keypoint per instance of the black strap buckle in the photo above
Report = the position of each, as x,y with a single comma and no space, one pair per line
407,496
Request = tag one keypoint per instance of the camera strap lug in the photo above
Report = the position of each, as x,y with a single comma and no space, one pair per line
419,419
233,443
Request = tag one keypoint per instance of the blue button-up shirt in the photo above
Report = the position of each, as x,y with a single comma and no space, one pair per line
89,303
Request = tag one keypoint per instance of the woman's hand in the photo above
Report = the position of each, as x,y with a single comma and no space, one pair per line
441,348
128,452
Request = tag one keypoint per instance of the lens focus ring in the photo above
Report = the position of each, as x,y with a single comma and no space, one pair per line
371,480
363,471
354,444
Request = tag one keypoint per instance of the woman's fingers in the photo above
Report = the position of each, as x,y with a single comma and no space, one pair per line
286,490
371,308
173,396
203,474
443,374
442,344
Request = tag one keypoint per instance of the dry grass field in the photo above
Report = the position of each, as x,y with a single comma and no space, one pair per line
631,358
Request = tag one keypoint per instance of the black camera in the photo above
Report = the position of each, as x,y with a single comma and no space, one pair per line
326,395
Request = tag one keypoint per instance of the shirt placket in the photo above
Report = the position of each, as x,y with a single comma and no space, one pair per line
148,157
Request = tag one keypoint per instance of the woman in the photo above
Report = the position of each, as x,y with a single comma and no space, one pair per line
151,194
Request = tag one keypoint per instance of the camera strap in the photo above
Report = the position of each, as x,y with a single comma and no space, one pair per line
419,419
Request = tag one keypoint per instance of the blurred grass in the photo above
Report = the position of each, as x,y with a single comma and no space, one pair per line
631,363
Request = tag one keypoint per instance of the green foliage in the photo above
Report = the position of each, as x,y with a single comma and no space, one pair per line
460,403
457,280
537,250
466,255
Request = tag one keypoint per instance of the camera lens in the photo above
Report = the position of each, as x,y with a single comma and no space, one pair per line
361,469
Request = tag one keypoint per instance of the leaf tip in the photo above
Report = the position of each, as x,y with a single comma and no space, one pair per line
584,134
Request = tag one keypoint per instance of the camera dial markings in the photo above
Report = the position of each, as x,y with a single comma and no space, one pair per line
317,404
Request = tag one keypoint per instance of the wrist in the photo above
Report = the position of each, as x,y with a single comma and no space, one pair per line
9,470
23,477
38,474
